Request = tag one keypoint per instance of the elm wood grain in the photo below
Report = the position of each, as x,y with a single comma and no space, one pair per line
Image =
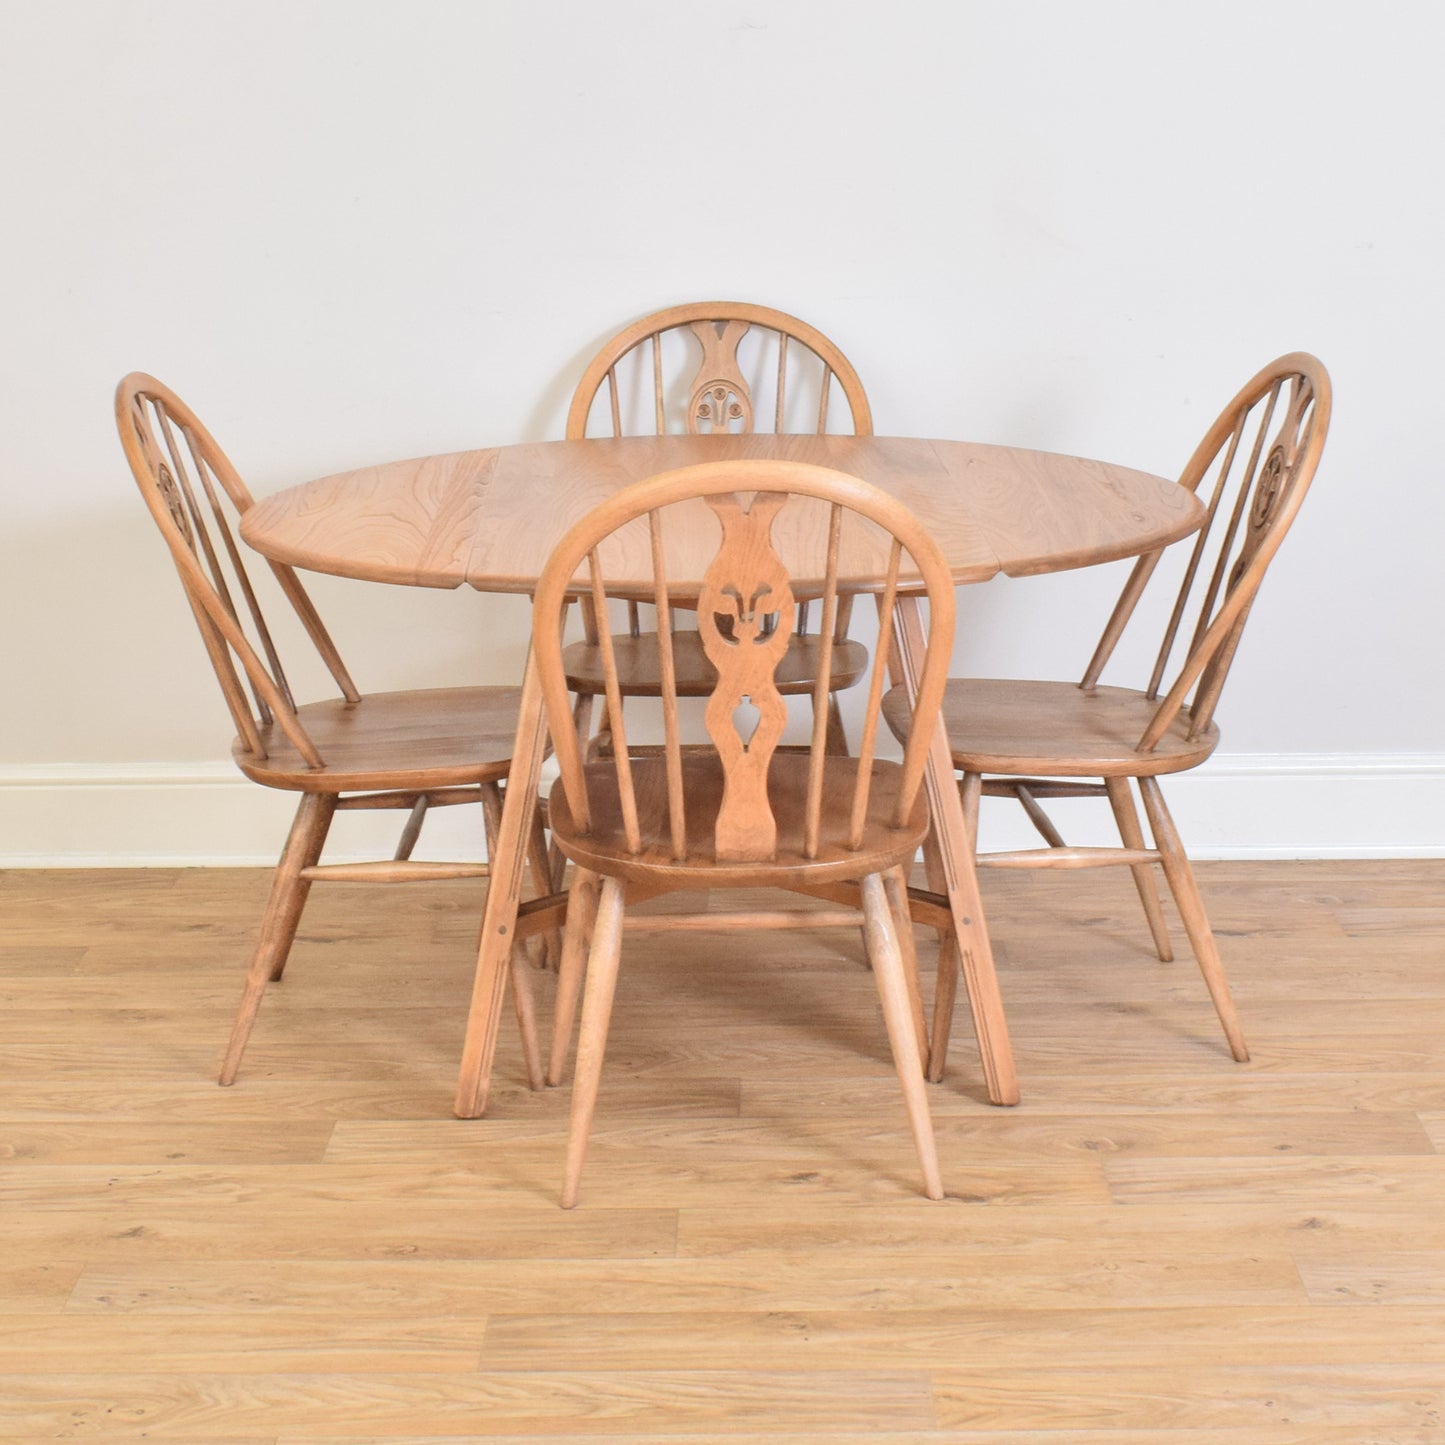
703,786
740,816
990,509
1255,466
639,667
397,747
450,736
698,377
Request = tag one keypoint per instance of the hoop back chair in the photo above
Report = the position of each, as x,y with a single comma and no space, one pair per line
704,368
403,750
741,813
1039,740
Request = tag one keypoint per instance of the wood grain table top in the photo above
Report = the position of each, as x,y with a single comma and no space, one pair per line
490,518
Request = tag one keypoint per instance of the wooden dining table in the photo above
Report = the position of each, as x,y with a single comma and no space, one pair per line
490,518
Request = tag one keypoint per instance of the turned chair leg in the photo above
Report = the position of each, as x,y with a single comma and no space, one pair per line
1180,877
518,962
412,831
1132,836
606,954
581,909
279,922
893,993
895,887
835,743
945,984
945,987
524,1003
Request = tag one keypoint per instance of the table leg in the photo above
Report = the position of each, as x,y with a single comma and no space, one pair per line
960,878
504,892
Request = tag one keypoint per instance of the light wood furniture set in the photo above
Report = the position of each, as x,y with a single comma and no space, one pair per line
740,530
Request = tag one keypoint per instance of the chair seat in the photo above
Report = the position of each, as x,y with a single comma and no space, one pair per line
1055,729
604,849
639,665
428,738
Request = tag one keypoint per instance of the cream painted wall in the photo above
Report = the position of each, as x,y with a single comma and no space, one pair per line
357,231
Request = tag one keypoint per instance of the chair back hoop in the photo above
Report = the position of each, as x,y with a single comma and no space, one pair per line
774,548
191,488
718,392
1252,471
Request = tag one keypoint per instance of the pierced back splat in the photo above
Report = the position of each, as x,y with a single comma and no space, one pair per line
745,587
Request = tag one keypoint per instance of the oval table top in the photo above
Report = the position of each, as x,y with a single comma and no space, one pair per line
491,518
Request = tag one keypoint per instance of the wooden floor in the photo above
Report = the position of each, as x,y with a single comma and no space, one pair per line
1158,1245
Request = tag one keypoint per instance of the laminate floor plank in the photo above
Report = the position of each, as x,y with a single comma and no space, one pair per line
935,1339
942,1277
629,1404
1242,1398
1158,1246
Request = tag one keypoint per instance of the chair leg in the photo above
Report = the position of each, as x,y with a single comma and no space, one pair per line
945,997
895,886
599,745
945,988
605,955
888,969
412,831
1132,836
835,743
970,788
581,908
539,857
1180,877
278,923
945,984
524,1002
519,962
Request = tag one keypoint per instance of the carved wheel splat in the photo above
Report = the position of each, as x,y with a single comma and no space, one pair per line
720,395
1270,485
746,615
175,503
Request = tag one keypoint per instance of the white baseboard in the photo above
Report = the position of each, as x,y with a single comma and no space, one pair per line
142,815
1302,805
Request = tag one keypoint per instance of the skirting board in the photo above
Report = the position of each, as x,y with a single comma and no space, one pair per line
1318,805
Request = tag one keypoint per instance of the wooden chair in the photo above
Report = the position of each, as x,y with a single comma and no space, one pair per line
1038,740
743,814
704,368
408,750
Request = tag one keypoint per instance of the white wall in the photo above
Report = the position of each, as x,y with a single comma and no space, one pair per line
354,231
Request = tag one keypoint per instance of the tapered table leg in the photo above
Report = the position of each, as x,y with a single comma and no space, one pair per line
956,854
504,893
